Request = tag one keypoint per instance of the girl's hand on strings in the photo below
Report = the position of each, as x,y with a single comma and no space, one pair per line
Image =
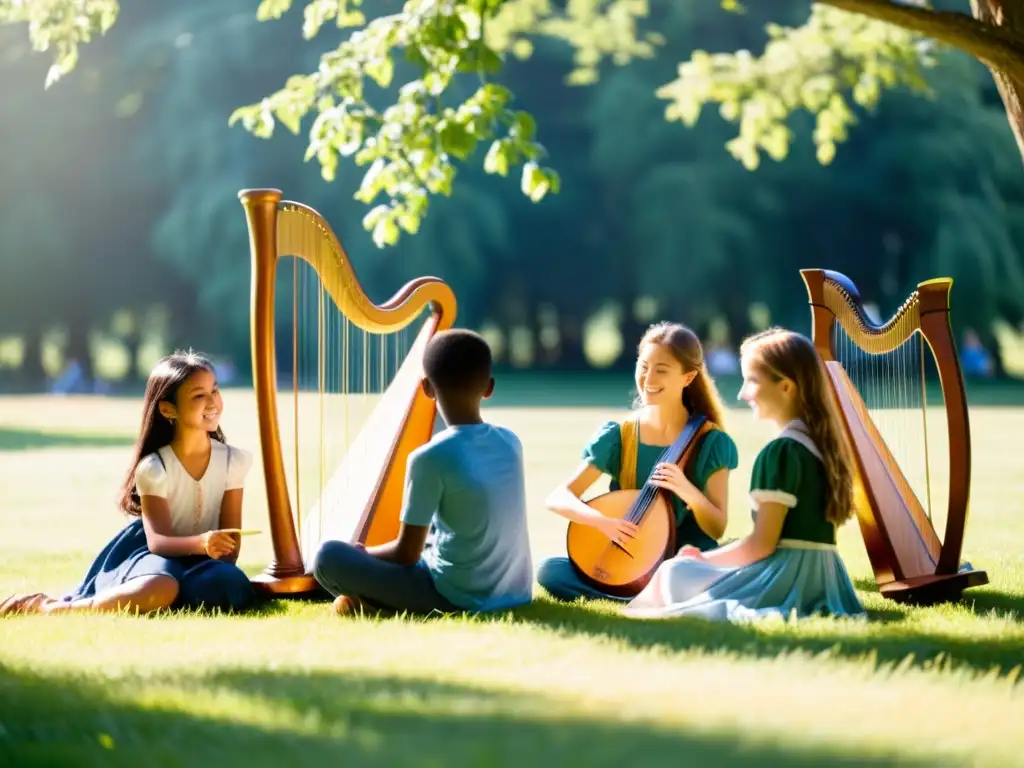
688,550
619,531
671,478
218,544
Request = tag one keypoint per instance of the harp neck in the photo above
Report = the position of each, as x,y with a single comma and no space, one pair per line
279,228
835,299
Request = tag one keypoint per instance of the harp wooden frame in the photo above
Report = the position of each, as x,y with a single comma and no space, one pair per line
287,574
921,569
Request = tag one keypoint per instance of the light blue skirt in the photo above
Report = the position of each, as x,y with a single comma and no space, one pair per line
801,578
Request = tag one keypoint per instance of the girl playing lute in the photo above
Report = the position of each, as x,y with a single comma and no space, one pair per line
672,383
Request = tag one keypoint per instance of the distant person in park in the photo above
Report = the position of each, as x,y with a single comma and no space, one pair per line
463,544
801,491
672,383
974,358
722,360
184,489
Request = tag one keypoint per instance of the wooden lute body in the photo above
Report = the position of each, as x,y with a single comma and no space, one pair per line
624,569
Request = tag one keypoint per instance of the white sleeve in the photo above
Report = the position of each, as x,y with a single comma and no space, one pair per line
239,463
151,477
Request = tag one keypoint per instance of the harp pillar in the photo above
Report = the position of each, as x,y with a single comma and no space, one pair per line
286,573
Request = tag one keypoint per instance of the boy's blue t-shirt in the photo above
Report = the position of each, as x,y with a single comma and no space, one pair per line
468,483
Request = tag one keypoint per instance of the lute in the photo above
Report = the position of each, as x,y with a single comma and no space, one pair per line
623,569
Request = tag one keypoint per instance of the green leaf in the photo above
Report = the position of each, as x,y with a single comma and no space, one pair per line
826,152
525,127
489,61
537,182
582,76
522,49
373,181
439,180
272,9
456,140
385,231
381,70
496,160
409,222
371,219
350,19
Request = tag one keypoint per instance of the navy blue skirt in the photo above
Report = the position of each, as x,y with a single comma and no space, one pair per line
202,581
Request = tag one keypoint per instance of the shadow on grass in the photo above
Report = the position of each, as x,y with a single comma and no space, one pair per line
984,599
27,440
887,638
329,718
980,600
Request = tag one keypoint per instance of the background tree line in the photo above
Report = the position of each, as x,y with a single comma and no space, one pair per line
120,223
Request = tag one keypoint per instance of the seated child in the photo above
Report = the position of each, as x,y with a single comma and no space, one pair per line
466,488
801,491
184,490
673,384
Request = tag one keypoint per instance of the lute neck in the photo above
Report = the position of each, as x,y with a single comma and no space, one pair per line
674,452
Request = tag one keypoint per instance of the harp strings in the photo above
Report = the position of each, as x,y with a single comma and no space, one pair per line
894,387
333,377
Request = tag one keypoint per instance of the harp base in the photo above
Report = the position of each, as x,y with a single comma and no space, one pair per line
298,585
933,589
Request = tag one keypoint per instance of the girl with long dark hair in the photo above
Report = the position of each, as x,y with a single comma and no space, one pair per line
184,489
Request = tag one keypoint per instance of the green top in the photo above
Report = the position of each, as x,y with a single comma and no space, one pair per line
717,451
788,470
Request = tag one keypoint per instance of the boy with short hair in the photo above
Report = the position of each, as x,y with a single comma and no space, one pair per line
466,486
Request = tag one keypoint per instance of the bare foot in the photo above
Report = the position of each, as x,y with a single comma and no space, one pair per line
32,603
347,606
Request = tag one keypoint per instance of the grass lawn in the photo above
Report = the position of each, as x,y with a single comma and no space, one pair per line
548,684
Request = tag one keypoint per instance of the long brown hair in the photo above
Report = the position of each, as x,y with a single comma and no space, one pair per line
701,396
156,432
780,354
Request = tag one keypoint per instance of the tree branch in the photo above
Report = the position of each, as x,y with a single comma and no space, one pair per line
996,46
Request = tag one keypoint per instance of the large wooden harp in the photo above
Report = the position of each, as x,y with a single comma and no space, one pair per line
350,384
899,501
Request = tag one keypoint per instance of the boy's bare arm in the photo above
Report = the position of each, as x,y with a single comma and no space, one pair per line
406,548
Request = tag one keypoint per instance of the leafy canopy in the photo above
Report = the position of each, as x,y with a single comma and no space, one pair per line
393,95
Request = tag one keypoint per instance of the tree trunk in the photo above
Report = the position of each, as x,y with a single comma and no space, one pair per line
572,358
32,372
632,331
132,344
78,344
1009,15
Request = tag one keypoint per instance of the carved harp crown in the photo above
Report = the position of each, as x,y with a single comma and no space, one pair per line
339,365
911,562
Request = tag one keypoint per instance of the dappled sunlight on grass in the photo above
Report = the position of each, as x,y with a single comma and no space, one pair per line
548,683
265,717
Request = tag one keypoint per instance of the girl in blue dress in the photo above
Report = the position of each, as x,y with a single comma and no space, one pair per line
184,488
800,490
672,384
